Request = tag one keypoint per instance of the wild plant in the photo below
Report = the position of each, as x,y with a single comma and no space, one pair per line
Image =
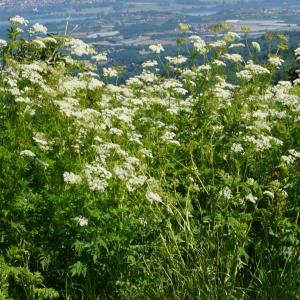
179,187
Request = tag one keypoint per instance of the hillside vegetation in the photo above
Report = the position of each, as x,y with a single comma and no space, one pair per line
185,187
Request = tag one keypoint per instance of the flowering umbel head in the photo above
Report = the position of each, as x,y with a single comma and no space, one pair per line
82,221
157,48
38,28
256,46
3,43
18,21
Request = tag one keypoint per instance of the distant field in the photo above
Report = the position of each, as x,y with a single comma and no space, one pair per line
91,10
261,26
134,19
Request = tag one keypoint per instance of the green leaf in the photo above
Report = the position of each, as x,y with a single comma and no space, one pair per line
78,269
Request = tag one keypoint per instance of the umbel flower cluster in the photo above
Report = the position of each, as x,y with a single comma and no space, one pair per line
108,186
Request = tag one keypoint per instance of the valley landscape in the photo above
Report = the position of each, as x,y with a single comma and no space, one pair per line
139,23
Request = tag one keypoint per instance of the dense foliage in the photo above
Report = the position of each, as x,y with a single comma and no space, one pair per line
184,187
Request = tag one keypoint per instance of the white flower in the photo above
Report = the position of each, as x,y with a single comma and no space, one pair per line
244,74
149,64
288,159
199,44
135,138
200,47
110,72
231,36
39,43
132,160
226,193
178,60
282,193
123,172
28,153
94,84
3,43
97,176
134,81
251,198
156,48
168,138
38,28
79,48
153,197
101,57
218,44
146,153
263,142
204,68
218,63
233,57
18,21
40,139
180,91
218,127
238,45
297,51
237,148
89,74
251,181
256,46
50,39
97,185
172,83
116,131
295,153
15,91
19,30
269,194
134,182
71,178
256,69
71,85
275,61
82,221
196,38
23,99
148,77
